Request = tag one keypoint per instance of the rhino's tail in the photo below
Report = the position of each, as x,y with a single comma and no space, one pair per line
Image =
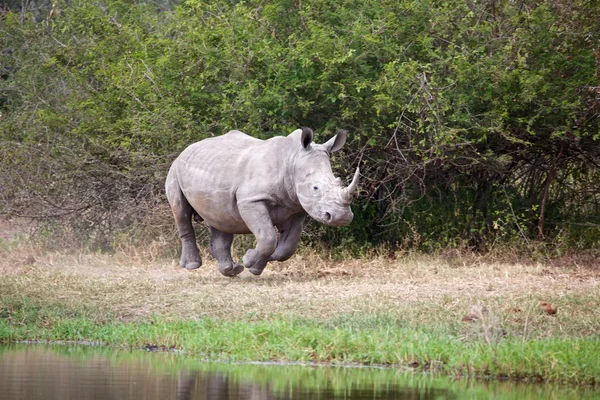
179,203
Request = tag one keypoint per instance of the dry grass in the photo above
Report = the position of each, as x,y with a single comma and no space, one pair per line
419,290
464,313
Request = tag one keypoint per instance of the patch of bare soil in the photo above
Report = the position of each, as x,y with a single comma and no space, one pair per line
12,228
420,290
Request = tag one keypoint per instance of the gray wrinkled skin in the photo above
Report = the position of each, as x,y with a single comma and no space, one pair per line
239,184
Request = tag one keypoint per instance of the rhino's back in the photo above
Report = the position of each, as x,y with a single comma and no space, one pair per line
211,172
210,151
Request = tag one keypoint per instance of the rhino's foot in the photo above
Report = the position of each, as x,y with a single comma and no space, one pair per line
190,265
230,269
254,264
256,271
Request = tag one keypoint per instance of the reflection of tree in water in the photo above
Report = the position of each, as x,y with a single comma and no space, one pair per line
195,385
217,385
84,373
62,372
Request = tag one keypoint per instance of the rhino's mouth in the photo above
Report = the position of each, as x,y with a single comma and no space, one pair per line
339,218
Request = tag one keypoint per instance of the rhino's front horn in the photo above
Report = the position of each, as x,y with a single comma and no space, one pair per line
348,193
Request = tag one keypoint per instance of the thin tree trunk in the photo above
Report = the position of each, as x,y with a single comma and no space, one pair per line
550,176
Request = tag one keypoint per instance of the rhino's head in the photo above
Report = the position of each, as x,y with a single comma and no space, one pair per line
321,194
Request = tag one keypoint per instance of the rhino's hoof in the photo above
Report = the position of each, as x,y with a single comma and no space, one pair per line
256,271
232,270
192,265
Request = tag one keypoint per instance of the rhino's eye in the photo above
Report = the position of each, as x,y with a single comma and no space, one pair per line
315,188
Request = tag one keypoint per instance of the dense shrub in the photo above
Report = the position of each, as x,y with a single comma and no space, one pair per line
473,122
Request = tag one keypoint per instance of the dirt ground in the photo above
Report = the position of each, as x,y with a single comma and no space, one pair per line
444,289
419,289
12,228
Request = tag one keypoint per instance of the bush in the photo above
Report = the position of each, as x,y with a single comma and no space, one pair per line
473,123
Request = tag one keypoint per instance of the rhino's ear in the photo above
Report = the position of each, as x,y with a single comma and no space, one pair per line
307,137
336,142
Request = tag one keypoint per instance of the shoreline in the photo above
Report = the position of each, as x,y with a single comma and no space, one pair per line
481,320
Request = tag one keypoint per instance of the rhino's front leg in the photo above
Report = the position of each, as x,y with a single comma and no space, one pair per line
257,219
220,248
289,237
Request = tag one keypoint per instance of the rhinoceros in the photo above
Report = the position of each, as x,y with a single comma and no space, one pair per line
239,184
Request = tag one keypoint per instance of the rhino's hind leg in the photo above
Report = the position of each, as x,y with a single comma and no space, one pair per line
220,248
183,211
190,256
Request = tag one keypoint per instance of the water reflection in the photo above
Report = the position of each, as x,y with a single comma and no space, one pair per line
72,372
219,386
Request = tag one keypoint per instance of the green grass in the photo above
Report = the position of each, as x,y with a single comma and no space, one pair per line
408,312
381,340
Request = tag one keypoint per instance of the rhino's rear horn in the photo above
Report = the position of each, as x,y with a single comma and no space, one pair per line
348,192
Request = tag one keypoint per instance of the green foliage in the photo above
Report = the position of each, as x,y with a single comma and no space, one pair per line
473,123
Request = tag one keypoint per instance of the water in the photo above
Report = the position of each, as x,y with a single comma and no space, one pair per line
48,372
